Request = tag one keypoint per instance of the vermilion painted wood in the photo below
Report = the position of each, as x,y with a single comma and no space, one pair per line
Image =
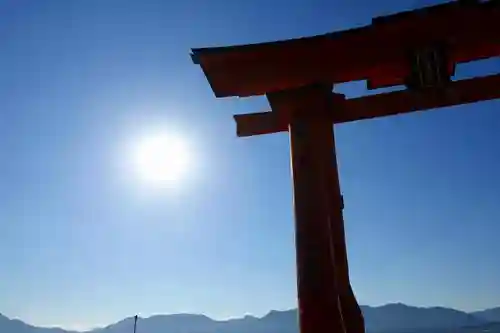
377,52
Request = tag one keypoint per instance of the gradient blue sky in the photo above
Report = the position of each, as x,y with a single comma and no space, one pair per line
82,243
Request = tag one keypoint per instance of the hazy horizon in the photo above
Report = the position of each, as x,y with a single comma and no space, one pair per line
94,229
147,316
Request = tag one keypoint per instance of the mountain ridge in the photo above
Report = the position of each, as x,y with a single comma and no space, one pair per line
388,318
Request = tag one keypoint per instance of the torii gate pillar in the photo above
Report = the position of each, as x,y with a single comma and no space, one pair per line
325,298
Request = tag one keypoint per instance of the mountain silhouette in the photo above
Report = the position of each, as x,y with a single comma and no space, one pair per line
489,315
17,326
390,318
400,317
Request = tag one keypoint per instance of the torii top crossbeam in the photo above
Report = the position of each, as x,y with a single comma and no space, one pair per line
419,49
377,53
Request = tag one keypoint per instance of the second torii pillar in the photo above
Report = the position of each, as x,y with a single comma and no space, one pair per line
326,302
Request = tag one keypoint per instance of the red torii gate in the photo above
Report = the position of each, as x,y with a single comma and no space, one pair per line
418,49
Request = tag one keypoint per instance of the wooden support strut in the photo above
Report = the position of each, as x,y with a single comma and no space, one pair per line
351,311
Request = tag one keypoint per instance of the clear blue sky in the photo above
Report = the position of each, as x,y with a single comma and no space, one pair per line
82,244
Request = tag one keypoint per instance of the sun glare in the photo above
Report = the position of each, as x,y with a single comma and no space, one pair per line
161,160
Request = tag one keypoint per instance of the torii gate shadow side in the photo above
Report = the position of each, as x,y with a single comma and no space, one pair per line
419,49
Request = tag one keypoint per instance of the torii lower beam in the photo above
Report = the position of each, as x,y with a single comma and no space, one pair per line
392,103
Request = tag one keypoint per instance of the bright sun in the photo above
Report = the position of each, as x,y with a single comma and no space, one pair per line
161,160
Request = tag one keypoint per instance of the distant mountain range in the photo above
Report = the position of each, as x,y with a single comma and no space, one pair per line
391,318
